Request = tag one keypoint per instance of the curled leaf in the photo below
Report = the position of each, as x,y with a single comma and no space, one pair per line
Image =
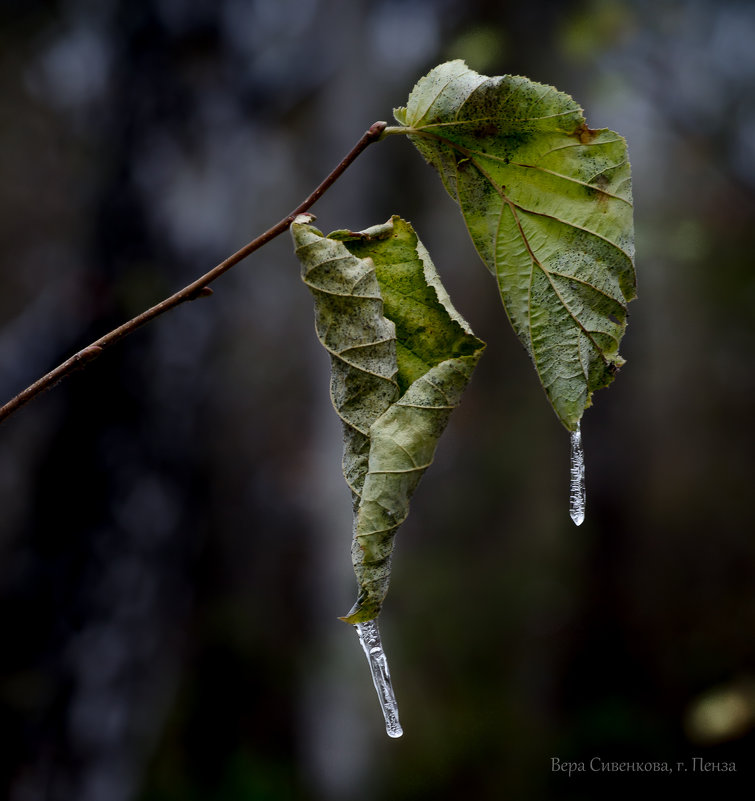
401,357
548,204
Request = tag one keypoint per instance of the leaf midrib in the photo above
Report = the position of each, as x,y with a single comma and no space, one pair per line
470,154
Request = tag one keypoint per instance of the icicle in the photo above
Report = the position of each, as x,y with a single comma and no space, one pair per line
577,475
369,637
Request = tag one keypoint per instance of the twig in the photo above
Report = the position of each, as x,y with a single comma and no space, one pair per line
196,289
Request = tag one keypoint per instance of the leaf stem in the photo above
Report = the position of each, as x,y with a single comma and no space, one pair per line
196,289
396,130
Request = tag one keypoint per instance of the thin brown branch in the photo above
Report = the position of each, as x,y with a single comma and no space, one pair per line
196,289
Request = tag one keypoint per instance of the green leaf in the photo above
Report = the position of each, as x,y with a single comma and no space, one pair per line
548,204
401,357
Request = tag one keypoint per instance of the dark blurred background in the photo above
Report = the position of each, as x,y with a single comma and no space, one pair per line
174,548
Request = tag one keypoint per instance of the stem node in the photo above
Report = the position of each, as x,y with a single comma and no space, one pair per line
203,292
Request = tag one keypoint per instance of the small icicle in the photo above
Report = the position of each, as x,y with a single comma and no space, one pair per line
577,496
369,637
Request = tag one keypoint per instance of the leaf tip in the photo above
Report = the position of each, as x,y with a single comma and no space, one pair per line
361,613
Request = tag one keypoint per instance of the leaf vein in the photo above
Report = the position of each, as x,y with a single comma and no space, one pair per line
358,367
547,274
407,470
572,180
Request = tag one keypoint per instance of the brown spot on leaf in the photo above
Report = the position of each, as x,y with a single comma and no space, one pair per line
601,182
600,193
585,134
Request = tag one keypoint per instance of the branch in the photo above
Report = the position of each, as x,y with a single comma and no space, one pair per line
196,289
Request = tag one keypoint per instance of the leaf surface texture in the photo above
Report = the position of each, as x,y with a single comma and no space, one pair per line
401,358
548,204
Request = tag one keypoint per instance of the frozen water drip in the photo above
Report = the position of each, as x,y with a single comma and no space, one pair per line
577,495
369,637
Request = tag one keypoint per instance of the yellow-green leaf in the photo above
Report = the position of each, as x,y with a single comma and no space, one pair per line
401,357
548,204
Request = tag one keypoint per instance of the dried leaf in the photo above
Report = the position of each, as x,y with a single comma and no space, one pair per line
548,204
401,357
